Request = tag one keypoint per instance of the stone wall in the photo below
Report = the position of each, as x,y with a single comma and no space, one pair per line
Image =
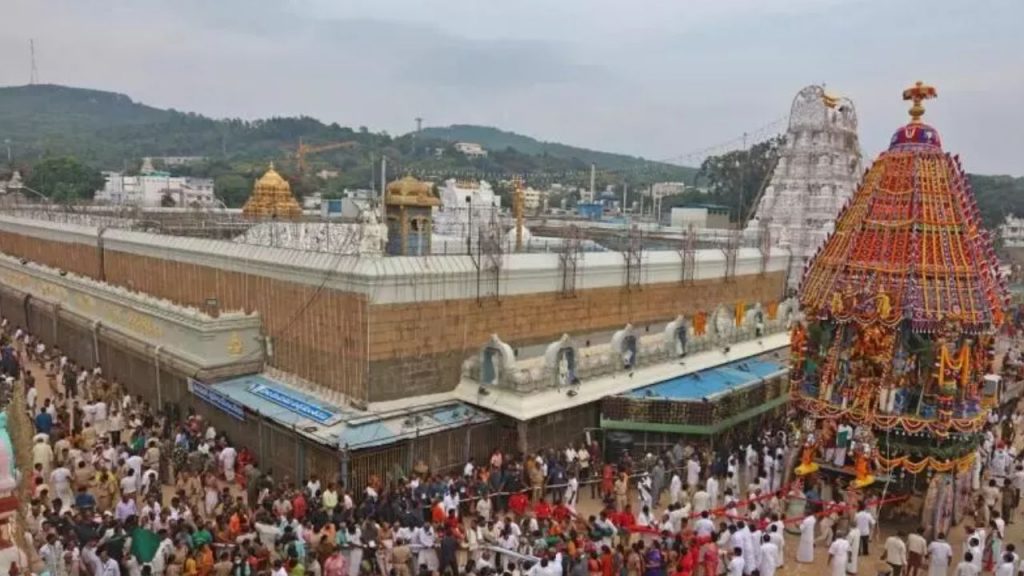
74,257
382,329
318,334
418,348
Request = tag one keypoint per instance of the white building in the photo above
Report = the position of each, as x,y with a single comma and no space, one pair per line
818,169
465,207
534,199
152,187
662,189
12,185
471,149
1012,232
180,160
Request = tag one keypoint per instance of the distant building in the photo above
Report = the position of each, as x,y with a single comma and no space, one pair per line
533,198
180,160
1012,232
471,149
590,210
702,217
662,189
351,206
155,188
327,174
465,207
12,185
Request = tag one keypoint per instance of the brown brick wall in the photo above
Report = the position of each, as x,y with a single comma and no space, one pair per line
80,259
319,335
419,347
385,352
321,338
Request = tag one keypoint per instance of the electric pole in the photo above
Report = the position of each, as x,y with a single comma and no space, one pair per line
33,76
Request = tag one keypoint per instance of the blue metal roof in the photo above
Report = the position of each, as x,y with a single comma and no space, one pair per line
335,425
711,382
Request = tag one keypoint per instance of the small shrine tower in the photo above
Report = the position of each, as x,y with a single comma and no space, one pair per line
271,198
409,205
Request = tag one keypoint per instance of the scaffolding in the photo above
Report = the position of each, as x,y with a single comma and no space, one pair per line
488,259
569,260
766,246
633,253
731,251
688,255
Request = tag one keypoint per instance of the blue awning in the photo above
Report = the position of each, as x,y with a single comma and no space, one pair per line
711,382
339,426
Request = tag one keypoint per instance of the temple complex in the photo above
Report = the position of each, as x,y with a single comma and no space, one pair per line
817,170
271,198
891,363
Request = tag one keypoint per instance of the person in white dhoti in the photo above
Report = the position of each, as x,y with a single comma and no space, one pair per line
838,556
692,473
644,492
675,488
775,534
853,538
805,552
769,557
572,493
427,554
940,556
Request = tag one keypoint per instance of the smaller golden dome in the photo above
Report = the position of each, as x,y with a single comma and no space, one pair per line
409,190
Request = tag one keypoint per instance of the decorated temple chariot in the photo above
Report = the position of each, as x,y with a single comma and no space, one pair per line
899,313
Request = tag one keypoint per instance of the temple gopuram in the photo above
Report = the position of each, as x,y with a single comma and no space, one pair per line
271,198
900,309
816,173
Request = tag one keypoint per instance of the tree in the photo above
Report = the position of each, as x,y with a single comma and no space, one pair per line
736,178
167,200
65,179
233,189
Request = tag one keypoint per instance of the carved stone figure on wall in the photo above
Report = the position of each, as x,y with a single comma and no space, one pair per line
561,360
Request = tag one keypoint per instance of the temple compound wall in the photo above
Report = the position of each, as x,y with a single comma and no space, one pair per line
378,329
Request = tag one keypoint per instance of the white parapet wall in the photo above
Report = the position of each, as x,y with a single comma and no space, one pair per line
401,279
201,340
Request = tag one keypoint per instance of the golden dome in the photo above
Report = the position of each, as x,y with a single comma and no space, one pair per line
272,180
271,197
409,190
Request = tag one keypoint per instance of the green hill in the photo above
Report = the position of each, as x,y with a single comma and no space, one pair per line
109,131
495,139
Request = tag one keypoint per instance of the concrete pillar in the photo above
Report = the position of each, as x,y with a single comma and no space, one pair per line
521,441
96,341
159,389
345,460
56,324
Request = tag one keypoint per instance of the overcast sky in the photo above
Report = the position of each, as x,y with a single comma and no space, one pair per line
659,79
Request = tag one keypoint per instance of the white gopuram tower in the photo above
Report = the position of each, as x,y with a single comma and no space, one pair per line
818,169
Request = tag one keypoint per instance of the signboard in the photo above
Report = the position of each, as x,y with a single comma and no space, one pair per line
297,405
216,399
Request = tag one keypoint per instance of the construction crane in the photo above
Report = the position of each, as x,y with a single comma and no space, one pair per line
305,149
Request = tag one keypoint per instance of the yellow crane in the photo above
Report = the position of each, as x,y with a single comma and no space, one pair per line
304,149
